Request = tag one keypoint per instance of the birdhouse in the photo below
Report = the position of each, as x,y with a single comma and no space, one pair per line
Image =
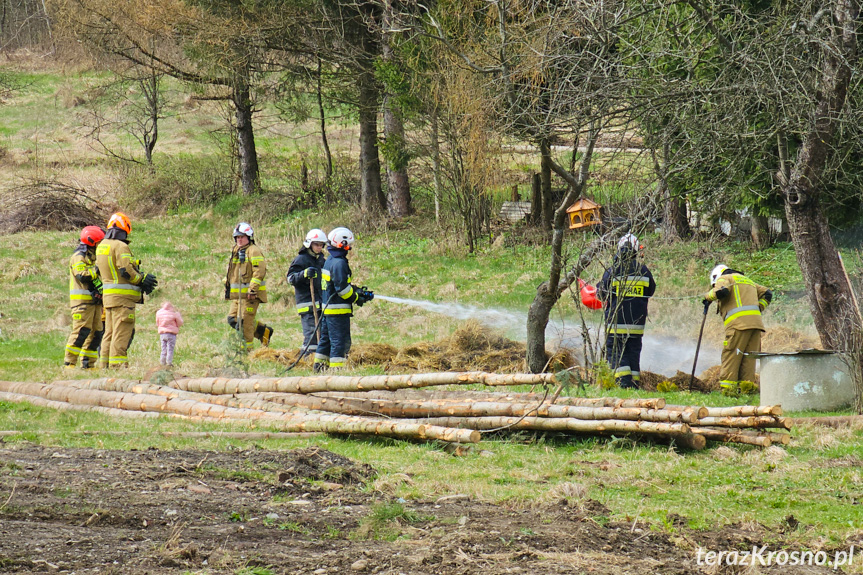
584,212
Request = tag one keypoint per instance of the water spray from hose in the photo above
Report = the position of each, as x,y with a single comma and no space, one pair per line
661,353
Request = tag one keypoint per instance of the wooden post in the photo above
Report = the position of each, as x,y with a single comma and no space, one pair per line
515,197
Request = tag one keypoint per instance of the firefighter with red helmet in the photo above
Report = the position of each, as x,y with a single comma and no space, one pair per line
85,301
339,298
123,287
246,287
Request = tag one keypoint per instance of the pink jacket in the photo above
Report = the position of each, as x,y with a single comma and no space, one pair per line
168,320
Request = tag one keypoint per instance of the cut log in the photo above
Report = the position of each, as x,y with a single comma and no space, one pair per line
733,436
328,423
465,395
853,421
312,384
735,411
438,408
759,421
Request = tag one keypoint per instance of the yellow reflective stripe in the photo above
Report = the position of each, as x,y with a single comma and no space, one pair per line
347,292
737,296
726,383
73,350
741,314
89,353
763,302
337,311
80,297
256,281
623,328
256,261
621,371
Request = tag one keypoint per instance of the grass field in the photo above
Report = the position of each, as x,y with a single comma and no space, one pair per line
817,479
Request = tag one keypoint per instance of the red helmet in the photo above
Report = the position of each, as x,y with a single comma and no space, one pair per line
92,235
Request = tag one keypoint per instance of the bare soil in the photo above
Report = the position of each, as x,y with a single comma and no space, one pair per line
302,511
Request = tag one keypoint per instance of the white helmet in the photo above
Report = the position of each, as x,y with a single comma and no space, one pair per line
315,235
628,241
244,229
716,272
341,238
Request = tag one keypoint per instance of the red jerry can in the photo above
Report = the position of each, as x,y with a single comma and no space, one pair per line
588,295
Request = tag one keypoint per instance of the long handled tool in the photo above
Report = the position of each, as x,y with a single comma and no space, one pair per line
315,309
698,347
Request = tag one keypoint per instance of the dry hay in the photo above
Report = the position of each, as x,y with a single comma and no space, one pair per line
372,354
45,205
283,356
471,348
781,339
650,381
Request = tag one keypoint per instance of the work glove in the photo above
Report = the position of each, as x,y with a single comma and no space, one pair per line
706,303
768,296
364,295
149,283
96,282
310,273
722,293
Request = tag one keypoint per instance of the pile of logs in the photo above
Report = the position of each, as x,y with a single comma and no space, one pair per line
395,406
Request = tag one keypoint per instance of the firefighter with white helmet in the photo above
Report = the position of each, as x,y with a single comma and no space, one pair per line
246,287
85,299
304,274
124,286
339,298
741,302
624,290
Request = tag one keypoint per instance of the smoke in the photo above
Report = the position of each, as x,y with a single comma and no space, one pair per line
661,353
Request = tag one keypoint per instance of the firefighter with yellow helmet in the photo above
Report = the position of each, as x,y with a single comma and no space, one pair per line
85,300
741,302
123,287
246,287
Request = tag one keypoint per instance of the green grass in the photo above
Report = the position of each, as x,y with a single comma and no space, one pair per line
188,247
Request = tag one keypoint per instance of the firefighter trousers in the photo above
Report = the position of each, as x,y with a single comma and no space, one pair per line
86,336
119,333
247,314
738,356
335,340
623,352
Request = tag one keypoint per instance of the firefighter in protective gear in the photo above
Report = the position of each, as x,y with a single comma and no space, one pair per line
123,287
339,298
85,300
305,275
246,287
741,302
624,290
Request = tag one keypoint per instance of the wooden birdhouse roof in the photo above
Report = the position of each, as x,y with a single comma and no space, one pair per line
582,204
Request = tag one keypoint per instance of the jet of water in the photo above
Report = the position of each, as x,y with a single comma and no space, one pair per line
661,353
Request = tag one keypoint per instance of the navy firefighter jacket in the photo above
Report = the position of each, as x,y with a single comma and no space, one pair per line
306,259
624,289
339,294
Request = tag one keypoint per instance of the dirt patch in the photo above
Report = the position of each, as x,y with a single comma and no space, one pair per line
472,347
301,512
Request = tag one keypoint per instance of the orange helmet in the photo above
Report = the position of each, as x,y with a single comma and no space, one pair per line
120,220
92,235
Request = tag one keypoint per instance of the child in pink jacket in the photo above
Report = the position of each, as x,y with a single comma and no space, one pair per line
169,321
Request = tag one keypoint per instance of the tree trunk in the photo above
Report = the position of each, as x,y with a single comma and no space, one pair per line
324,142
435,144
535,199
548,206
831,298
372,199
396,154
760,232
248,155
398,184
547,293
